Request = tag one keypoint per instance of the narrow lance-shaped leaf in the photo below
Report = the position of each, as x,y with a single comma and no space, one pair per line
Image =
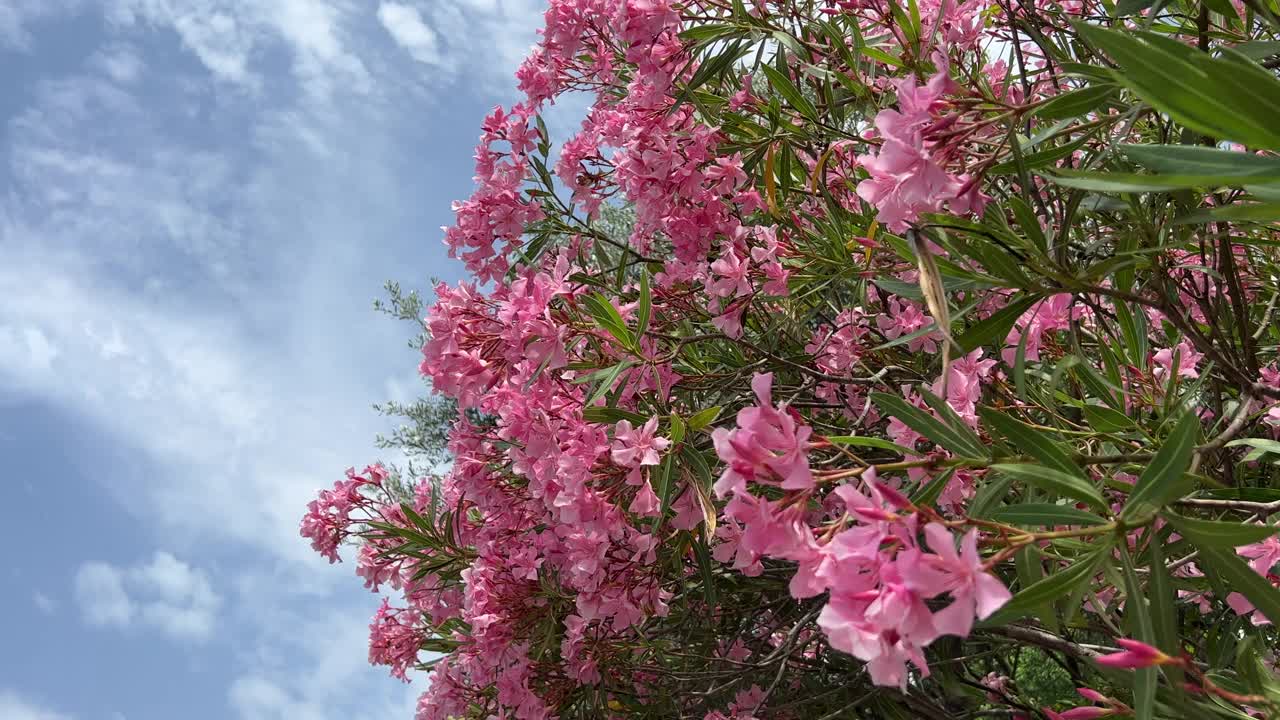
1043,445
1057,483
927,425
995,328
1219,534
1048,589
1138,615
644,308
1161,481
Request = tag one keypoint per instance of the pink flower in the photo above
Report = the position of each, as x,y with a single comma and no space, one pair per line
1051,314
743,97
1085,712
1135,655
974,591
638,446
393,642
769,445
646,502
908,176
1241,606
905,318
1264,555
1187,357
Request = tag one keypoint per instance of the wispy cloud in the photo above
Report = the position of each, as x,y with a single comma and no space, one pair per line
16,17
165,593
451,35
406,27
102,597
15,707
45,604
230,36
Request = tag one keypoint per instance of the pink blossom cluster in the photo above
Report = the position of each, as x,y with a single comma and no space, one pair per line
328,520
909,173
869,557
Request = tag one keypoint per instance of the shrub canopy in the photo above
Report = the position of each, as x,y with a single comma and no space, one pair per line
854,359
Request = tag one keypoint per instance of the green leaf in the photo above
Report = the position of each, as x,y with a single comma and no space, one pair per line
703,418
607,381
995,328
663,491
1020,367
1263,495
1138,616
1253,671
676,433
953,420
871,442
1114,182
712,67
1215,533
1164,613
704,33
706,569
790,92
606,415
1193,160
1028,223
1107,420
1052,587
608,317
912,290
1038,159
880,55
927,425
1124,8
1217,97
989,496
1059,484
1075,103
1045,515
1043,445
695,461
1258,49
1261,447
1161,481
645,306
1241,578
929,492
1262,212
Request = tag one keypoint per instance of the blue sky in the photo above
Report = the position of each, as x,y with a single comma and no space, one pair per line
199,200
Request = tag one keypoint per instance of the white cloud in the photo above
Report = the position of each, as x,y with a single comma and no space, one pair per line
121,62
405,24
450,35
184,605
44,603
309,660
216,36
165,593
257,698
25,351
230,37
102,597
15,707
17,15
313,28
